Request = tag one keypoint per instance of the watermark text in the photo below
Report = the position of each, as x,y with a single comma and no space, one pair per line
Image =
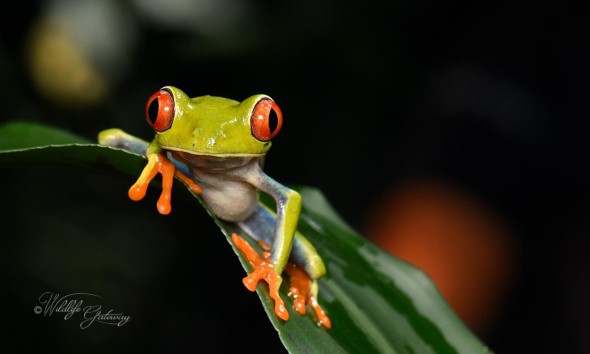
82,305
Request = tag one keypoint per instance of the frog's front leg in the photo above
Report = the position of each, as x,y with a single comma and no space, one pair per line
119,139
157,163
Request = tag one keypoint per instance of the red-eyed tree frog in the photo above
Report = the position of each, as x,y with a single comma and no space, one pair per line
216,146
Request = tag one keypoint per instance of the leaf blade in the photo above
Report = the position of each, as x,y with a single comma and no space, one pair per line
377,302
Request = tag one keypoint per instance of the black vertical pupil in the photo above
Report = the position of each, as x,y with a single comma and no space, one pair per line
153,110
273,121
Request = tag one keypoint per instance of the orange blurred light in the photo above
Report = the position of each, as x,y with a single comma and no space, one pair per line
456,239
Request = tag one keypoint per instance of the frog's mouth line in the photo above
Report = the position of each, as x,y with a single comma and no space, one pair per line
225,154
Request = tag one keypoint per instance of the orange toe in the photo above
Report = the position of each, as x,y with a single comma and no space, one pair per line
263,270
300,291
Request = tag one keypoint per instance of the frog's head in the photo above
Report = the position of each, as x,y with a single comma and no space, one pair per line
215,126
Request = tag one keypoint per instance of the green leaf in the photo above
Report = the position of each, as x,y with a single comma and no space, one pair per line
20,135
377,303
27,143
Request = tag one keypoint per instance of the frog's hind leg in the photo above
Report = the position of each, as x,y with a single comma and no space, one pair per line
260,225
304,291
263,269
305,265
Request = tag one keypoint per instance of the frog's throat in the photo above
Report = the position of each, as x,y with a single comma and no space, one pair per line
204,153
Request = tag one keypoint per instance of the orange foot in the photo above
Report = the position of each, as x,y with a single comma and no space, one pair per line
263,269
303,290
158,163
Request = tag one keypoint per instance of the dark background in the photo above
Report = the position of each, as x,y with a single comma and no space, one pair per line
486,97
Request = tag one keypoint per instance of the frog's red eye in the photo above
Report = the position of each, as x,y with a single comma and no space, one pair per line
159,110
266,120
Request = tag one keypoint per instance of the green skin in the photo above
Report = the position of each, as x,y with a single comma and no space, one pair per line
211,137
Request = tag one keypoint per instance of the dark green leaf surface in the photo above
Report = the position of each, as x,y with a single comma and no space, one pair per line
377,303
22,135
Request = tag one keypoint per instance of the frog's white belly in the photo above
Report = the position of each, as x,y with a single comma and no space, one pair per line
224,183
231,200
